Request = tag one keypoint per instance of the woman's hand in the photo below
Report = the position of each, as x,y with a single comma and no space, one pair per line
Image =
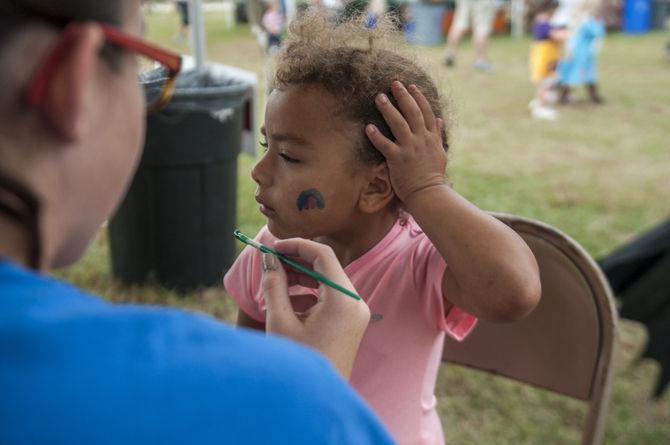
335,325
416,160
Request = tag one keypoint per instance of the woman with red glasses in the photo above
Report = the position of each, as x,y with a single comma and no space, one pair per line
76,369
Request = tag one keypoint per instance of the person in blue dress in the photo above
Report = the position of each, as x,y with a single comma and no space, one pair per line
580,63
76,369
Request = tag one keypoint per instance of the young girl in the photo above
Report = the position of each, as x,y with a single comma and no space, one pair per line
355,159
273,23
579,67
545,52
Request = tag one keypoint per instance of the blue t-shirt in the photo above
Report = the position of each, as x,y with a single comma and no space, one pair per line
76,369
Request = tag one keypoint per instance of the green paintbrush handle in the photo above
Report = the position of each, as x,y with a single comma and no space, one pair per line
294,264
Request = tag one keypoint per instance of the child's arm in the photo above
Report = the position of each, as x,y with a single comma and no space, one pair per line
492,273
559,34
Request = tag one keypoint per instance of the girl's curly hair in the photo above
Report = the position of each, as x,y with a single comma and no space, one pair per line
354,64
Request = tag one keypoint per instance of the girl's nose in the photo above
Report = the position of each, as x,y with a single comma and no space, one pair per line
260,171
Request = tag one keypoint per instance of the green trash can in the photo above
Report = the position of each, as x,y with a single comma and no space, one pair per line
174,226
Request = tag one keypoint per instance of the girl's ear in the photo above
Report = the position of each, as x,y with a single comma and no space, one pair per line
378,192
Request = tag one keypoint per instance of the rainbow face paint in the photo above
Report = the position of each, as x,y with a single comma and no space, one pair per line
310,199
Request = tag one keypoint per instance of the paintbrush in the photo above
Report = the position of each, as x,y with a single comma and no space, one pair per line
293,264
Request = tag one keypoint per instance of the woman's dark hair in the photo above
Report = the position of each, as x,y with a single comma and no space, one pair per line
354,64
17,13
60,12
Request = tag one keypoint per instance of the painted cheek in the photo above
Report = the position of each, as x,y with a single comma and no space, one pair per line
310,199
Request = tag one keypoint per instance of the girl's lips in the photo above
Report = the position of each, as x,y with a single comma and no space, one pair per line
267,211
264,208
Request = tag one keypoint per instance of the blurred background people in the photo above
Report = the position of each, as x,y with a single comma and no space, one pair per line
545,51
184,21
579,65
273,24
478,14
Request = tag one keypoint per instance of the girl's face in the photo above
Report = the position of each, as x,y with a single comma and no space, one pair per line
308,180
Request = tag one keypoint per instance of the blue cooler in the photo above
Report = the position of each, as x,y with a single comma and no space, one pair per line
636,16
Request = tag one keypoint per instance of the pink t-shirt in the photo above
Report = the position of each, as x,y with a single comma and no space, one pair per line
395,371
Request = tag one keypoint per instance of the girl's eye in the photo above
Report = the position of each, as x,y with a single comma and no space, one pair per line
285,157
288,159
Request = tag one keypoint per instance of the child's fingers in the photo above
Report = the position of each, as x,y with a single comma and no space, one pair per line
424,105
395,120
386,146
408,106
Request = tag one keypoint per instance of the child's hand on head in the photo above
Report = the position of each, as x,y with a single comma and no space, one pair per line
416,160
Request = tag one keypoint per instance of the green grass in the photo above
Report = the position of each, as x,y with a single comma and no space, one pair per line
598,173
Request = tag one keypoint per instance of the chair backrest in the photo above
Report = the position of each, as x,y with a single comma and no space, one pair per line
566,344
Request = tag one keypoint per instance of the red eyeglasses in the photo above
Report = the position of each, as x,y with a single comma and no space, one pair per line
159,72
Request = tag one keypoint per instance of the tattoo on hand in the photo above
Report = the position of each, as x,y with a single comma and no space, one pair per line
270,263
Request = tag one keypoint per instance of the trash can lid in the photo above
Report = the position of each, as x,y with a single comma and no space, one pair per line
211,89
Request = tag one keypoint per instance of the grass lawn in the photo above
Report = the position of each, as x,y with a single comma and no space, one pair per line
599,173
